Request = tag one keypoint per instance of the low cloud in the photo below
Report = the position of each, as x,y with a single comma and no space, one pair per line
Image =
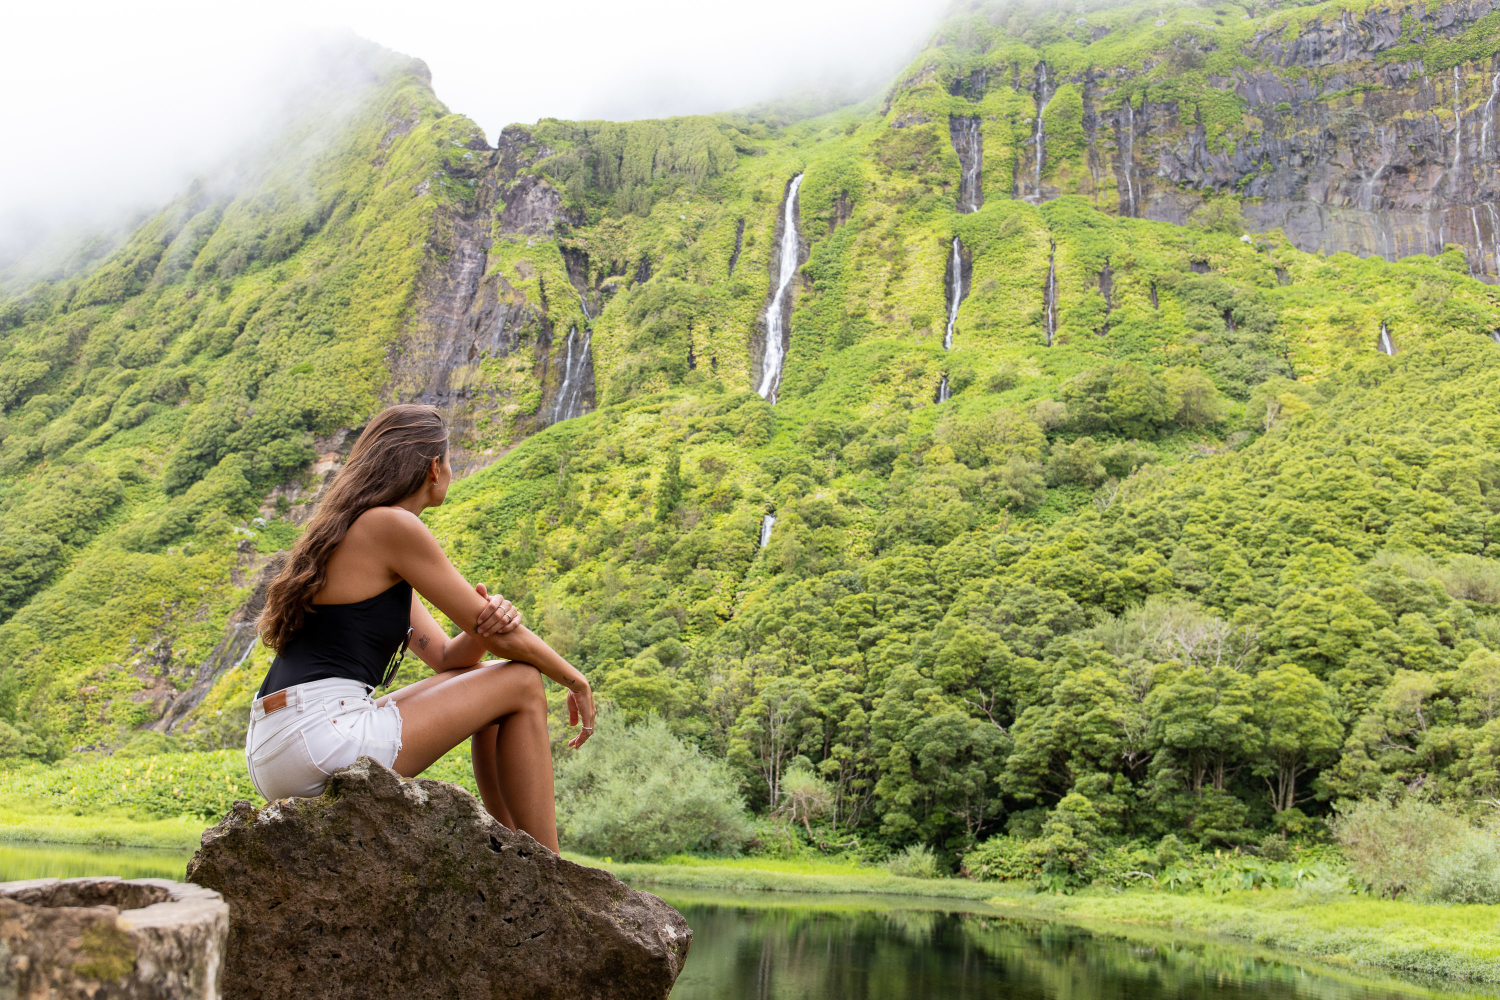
114,108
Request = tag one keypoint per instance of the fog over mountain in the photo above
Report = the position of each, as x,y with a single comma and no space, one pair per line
128,103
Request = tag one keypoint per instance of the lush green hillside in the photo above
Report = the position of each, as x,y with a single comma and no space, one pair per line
1179,551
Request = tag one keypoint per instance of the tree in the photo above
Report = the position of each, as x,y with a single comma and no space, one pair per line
770,731
1298,730
669,490
1192,399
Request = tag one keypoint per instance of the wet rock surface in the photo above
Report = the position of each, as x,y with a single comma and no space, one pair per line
108,939
388,888
1355,139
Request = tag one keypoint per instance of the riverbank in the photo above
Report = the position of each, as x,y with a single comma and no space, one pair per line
1455,943
24,820
1459,943
799,876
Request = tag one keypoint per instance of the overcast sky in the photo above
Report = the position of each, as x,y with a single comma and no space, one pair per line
111,106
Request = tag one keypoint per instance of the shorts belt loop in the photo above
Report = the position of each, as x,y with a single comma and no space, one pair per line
301,701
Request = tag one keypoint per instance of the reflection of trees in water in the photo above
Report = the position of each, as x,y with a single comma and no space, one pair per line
900,954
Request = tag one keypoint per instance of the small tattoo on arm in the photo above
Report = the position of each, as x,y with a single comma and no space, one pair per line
423,642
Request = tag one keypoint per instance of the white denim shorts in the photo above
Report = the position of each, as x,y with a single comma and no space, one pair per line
318,728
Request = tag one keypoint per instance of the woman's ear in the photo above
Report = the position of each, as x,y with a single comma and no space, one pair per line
434,468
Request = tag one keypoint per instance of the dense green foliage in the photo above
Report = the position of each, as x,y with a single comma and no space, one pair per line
1198,564
640,792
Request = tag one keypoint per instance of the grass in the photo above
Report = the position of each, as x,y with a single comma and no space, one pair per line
1454,942
778,875
24,819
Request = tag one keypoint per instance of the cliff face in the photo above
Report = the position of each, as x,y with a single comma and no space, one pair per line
480,348
1000,224
1367,130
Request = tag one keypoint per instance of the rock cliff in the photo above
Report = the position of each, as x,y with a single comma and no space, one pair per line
1366,131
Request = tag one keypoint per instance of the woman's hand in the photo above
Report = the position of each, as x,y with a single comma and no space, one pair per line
581,706
498,616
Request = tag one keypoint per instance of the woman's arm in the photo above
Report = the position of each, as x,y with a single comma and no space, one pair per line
441,651
415,556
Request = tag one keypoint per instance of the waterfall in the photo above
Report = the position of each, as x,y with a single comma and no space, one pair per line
968,143
1489,116
1458,132
944,393
571,397
1050,295
1495,234
1495,336
1040,137
955,292
584,305
1478,239
1129,158
1385,346
1368,201
776,334
766,524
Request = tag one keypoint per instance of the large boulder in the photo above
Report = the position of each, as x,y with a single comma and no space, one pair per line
108,939
383,887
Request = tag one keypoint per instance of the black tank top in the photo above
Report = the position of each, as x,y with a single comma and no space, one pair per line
354,641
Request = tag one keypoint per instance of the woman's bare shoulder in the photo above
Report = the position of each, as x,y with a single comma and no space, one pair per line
388,523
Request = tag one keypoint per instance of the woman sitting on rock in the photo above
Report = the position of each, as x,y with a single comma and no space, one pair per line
342,614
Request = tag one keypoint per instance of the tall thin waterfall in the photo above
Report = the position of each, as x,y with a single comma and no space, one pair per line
944,393
955,292
1368,201
1489,117
776,327
1040,138
968,143
1495,336
1050,294
1458,131
1129,158
766,524
1478,240
577,369
1385,345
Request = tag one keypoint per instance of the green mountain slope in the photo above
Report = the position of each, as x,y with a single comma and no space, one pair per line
1168,536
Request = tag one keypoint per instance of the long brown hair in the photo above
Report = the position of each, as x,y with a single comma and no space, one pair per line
389,463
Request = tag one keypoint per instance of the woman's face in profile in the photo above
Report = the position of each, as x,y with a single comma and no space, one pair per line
444,478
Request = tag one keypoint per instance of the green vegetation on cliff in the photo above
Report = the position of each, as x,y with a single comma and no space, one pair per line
1180,552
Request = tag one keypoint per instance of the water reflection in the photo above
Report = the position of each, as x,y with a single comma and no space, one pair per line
808,953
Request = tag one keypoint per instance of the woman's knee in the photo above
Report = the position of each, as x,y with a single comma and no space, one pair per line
531,681
522,678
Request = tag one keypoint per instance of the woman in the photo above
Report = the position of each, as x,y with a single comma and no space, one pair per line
342,614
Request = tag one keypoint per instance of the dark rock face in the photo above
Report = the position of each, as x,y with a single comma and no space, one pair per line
388,888
105,939
466,312
1357,144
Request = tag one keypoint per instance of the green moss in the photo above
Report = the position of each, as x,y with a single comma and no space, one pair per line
107,953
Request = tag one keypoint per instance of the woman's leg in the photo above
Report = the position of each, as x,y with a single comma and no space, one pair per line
440,712
484,754
481,748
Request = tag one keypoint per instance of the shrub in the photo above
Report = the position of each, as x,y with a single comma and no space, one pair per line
640,792
1391,847
1002,858
1465,871
915,861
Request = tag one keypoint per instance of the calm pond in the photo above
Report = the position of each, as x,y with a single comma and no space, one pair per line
785,946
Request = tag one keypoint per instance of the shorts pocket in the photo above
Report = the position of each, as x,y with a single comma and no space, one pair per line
287,769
